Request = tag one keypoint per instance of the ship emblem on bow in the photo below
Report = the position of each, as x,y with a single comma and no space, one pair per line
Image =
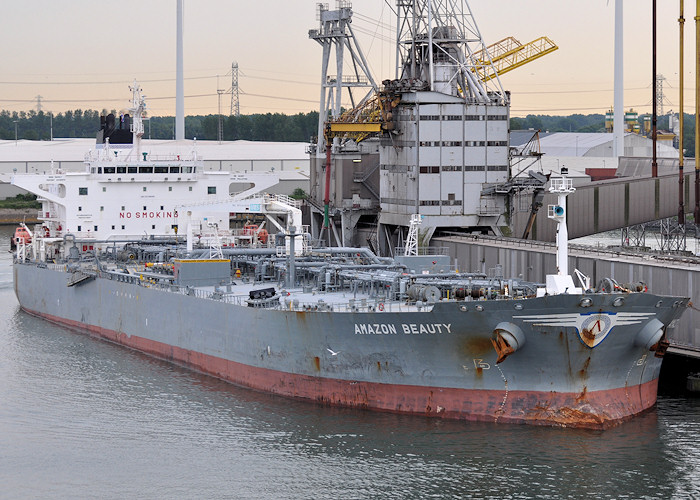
592,328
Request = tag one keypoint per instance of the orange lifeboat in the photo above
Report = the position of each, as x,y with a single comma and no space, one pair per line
22,235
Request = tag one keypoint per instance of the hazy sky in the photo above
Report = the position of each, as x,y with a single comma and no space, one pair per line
84,53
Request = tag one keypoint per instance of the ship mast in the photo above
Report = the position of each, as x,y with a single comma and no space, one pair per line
562,282
138,109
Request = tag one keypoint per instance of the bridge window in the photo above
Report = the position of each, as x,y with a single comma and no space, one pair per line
174,170
211,190
161,170
133,170
121,170
80,228
82,191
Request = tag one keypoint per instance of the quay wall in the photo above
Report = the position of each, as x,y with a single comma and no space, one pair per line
664,275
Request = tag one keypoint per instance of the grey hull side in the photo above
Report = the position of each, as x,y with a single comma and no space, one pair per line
448,348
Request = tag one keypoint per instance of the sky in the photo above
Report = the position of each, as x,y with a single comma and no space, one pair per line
83,54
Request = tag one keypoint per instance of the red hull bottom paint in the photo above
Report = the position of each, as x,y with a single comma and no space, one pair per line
595,410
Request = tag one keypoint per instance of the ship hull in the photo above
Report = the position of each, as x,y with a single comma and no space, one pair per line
439,363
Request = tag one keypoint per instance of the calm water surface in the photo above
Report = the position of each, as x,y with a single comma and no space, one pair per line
82,418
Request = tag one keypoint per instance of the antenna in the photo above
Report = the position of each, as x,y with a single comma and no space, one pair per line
38,103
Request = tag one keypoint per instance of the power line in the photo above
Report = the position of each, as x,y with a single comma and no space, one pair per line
546,92
599,108
280,98
113,82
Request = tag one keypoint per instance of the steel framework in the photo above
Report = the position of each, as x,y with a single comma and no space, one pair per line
442,35
335,30
235,103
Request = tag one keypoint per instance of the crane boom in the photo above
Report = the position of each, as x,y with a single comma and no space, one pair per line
508,54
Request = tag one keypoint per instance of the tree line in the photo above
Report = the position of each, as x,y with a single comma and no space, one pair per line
302,127
85,123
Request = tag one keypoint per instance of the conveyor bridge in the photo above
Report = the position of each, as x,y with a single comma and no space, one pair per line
613,204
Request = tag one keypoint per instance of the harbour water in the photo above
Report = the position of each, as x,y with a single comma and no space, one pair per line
82,418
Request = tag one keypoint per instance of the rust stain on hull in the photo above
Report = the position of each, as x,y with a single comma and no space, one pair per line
476,346
588,337
584,371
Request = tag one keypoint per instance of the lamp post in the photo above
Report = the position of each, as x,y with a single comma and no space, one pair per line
15,121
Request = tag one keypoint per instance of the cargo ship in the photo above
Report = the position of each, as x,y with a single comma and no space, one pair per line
124,254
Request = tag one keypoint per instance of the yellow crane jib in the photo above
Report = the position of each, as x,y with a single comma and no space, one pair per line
508,54
340,128
370,118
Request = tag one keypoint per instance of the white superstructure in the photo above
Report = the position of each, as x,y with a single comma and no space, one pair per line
126,194
116,199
